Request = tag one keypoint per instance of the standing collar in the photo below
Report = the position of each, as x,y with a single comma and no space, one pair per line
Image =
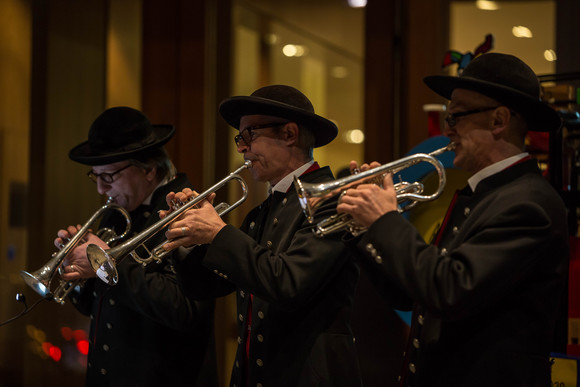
495,168
284,184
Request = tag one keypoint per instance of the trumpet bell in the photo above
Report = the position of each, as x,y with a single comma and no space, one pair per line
103,264
39,281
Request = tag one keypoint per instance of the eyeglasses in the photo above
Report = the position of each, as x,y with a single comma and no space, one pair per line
451,118
247,134
105,176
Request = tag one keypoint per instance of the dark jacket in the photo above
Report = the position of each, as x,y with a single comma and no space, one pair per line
489,293
144,331
302,289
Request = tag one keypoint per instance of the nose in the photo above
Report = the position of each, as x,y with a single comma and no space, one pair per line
102,187
242,147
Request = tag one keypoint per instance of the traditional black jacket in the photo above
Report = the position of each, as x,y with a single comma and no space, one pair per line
144,331
489,293
302,289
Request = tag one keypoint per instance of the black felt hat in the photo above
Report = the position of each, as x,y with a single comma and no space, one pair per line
506,79
279,101
120,133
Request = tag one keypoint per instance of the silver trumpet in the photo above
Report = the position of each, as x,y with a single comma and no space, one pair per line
41,279
104,262
313,195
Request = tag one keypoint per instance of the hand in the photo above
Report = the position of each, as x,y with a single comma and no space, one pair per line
196,226
175,200
76,264
368,202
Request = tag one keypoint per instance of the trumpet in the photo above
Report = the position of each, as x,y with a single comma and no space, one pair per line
104,262
40,280
313,195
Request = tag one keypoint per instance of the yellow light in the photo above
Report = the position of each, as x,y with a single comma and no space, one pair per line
354,136
294,50
357,3
339,72
521,32
550,55
487,5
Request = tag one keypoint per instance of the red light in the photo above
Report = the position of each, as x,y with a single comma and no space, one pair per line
46,347
55,353
79,334
83,346
67,333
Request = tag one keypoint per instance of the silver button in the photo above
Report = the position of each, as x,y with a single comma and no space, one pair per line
216,271
94,293
379,259
105,347
284,201
146,214
111,302
92,317
260,338
103,371
455,230
241,317
252,225
275,221
369,247
109,326
466,211
242,294
225,276
237,364
269,244
444,252
261,314
239,340
420,319
259,362
416,343
412,368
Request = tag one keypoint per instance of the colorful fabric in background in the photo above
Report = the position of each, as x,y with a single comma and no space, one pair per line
463,60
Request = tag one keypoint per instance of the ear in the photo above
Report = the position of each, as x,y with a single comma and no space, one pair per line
291,132
501,119
151,174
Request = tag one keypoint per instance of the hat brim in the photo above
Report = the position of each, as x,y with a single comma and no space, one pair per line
234,108
84,154
539,116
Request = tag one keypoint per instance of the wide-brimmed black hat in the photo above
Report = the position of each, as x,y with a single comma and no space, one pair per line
279,101
120,133
506,79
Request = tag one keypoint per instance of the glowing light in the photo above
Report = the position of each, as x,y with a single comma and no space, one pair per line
79,335
357,3
66,333
550,55
294,50
83,346
354,136
487,5
521,32
55,353
271,39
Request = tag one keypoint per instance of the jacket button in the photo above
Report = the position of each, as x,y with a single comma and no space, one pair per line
109,326
259,385
103,371
241,317
111,302
275,221
252,225
269,244
237,364
420,319
379,259
259,362
466,211
455,230
416,343
239,340
242,294
284,201
260,338
412,368
261,314
105,347
444,252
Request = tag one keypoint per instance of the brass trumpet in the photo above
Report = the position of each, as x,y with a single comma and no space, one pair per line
104,261
40,279
313,195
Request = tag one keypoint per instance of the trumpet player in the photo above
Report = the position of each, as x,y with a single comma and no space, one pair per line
294,290
487,291
144,331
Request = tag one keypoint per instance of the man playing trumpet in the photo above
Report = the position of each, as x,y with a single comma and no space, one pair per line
144,331
294,290
488,290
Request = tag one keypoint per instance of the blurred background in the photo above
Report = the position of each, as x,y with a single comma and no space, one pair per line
361,63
